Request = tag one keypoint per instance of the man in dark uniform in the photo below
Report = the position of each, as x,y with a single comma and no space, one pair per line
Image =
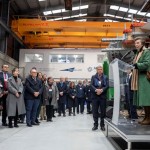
62,88
89,98
99,85
4,75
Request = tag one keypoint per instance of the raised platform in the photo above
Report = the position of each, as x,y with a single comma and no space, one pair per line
131,132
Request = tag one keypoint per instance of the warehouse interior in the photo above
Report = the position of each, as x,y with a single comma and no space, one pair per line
70,38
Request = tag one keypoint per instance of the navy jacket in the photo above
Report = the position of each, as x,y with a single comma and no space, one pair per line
101,83
63,89
81,91
128,91
31,87
71,92
88,93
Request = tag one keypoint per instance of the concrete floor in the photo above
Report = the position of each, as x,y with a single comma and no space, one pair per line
64,133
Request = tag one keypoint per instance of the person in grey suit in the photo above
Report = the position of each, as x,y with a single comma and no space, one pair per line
15,100
50,96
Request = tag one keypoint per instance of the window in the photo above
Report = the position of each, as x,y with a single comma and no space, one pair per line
34,58
69,58
100,58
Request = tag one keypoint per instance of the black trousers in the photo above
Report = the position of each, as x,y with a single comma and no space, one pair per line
49,112
10,118
89,106
4,111
73,106
97,103
80,102
61,107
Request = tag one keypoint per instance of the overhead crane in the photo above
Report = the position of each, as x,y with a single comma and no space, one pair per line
39,33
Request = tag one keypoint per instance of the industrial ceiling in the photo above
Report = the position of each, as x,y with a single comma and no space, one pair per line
83,12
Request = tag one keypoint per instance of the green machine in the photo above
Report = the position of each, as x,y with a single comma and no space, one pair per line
110,92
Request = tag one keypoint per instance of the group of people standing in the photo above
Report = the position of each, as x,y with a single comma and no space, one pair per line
39,96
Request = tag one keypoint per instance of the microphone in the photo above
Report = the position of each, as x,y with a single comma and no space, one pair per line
126,54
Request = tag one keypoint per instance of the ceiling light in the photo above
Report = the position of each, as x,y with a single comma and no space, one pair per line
128,19
119,17
41,0
148,15
47,12
114,7
132,11
57,19
123,9
66,17
141,13
82,20
82,15
109,15
84,7
56,11
75,8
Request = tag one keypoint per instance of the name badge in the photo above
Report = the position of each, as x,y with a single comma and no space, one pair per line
50,90
99,83
89,90
80,88
5,80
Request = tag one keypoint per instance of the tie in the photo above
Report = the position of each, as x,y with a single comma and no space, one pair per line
61,84
5,82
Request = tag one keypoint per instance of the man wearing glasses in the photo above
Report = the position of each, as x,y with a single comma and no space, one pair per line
33,92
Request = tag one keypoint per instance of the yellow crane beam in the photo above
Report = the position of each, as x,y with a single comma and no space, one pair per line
23,25
51,40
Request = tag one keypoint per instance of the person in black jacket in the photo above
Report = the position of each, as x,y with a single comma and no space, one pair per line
89,98
4,75
99,85
72,98
62,88
80,88
33,92
129,97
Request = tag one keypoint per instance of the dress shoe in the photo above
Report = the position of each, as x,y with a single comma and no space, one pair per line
37,121
29,125
4,124
103,128
34,123
69,114
59,115
10,126
94,128
16,126
54,116
74,114
64,115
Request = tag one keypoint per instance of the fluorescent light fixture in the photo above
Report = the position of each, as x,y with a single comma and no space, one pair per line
63,10
41,0
50,20
132,11
141,13
112,39
47,12
75,16
82,20
112,49
114,7
56,11
84,7
123,9
109,15
128,19
57,19
75,8
81,15
40,58
148,15
66,17
119,17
